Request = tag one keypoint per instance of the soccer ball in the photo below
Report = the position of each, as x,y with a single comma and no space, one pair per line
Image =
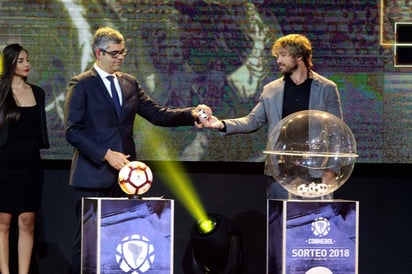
135,178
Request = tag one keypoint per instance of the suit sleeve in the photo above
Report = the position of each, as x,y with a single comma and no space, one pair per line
75,111
161,116
333,103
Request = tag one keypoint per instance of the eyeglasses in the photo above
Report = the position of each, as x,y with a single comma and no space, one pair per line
115,53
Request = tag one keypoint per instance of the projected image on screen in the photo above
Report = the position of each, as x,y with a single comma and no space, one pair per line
216,53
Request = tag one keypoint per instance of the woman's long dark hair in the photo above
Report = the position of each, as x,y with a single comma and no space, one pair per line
8,105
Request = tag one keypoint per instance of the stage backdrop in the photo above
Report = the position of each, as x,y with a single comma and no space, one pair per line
218,53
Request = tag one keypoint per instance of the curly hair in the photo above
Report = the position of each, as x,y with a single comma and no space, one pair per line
297,45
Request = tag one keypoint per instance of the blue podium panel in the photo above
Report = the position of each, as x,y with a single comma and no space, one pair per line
312,237
131,236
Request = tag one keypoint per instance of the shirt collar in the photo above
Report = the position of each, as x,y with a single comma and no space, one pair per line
286,77
102,73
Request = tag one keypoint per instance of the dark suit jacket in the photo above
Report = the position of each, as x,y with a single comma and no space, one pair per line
92,125
40,100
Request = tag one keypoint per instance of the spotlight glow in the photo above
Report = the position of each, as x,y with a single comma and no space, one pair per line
175,177
206,226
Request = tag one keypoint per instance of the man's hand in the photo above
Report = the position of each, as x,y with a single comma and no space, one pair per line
204,118
116,159
213,122
201,113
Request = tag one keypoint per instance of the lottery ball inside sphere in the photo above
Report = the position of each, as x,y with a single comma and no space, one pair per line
313,155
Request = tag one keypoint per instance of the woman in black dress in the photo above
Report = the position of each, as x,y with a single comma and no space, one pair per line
23,132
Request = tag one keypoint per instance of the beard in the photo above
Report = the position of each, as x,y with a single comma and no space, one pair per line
288,69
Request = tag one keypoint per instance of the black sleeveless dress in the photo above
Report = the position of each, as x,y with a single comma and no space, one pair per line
21,174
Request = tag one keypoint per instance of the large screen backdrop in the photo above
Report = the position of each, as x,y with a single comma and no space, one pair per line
219,53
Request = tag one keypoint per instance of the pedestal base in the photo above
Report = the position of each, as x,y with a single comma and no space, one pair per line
121,235
312,237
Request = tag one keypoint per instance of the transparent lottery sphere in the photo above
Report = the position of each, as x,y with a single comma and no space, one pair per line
314,154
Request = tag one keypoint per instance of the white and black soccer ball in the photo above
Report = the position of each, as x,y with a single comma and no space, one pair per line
316,190
303,190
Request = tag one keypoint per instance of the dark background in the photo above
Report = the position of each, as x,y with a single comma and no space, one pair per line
237,191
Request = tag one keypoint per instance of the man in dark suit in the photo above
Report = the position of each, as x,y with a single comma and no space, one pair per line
98,120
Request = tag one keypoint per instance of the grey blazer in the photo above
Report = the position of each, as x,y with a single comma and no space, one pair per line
324,96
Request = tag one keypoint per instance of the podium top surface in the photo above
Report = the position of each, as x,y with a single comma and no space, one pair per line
127,199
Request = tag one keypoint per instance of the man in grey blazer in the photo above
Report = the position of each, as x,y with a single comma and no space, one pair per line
300,88
99,114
